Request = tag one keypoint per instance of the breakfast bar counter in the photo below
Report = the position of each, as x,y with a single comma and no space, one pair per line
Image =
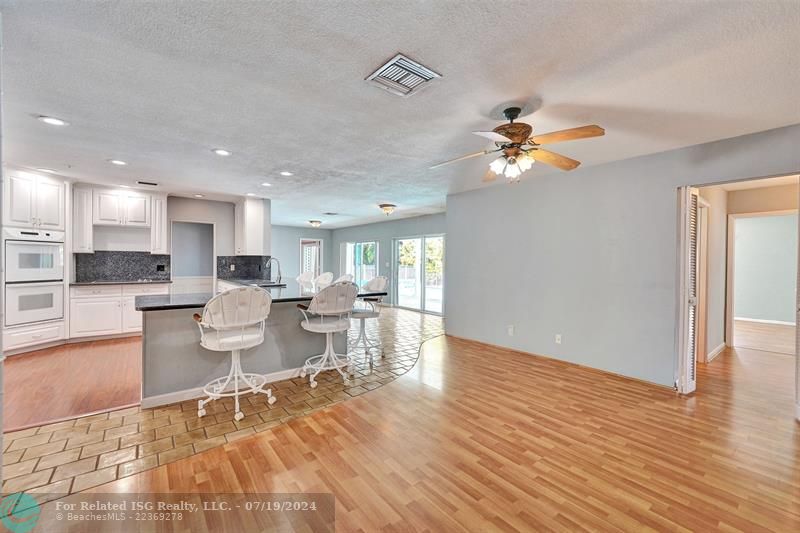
174,365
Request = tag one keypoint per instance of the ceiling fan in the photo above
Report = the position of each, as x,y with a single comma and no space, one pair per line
520,150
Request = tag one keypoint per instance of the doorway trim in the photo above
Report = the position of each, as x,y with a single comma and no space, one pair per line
729,285
321,254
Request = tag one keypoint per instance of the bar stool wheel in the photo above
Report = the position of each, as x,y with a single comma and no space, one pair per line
313,384
271,400
238,416
201,413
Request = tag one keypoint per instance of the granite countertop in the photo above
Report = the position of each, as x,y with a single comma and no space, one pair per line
291,291
123,282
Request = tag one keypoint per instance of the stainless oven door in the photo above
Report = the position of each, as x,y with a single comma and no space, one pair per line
34,261
27,303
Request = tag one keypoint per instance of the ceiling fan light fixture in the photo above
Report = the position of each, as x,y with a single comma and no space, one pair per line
512,171
498,165
388,209
525,162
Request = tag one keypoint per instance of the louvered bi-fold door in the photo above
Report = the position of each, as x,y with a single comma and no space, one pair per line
688,378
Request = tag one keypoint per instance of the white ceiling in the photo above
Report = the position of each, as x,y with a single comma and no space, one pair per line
281,84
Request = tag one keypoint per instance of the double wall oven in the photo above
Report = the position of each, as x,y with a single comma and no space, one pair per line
34,276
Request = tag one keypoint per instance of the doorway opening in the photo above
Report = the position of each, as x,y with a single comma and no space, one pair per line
193,257
311,257
738,284
419,264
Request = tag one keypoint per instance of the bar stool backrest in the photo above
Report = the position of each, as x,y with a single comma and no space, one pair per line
237,308
337,299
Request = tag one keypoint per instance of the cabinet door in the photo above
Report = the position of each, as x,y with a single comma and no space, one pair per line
107,208
95,316
82,235
49,204
254,227
19,200
131,318
238,228
158,225
137,210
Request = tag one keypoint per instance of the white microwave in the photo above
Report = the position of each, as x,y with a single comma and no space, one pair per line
27,303
34,260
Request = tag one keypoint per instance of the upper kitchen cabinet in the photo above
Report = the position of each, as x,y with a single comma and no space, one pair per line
252,227
120,208
34,201
159,228
82,233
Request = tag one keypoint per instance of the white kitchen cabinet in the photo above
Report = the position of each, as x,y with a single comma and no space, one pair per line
93,316
251,220
34,201
131,318
31,335
82,236
159,228
120,208
107,207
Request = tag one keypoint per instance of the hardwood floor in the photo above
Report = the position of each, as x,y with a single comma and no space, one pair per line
480,438
71,380
776,338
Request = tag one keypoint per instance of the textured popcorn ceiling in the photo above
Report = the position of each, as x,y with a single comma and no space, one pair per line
158,84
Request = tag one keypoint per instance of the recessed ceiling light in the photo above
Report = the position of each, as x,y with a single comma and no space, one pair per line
48,170
265,184
53,121
117,162
198,196
125,186
286,173
221,151
251,194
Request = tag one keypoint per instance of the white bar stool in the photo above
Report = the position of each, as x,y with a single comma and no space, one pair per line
328,313
369,309
344,277
323,280
234,321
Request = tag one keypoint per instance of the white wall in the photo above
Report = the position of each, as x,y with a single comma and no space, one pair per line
717,197
286,248
385,233
590,254
218,213
763,199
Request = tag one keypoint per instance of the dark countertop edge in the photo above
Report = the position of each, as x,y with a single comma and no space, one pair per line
191,305
90,283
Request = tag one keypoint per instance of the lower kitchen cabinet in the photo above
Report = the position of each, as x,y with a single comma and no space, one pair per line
131,318
97,310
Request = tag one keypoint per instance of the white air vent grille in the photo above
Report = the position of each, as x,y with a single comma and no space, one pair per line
402,76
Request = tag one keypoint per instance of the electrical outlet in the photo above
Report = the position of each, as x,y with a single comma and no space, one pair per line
558,338
510,330
233,267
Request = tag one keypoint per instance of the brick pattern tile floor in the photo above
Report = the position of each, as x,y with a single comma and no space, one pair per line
74,455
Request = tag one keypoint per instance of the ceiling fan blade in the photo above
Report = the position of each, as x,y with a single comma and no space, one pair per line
493,136
584,132
463,157
489,176
551,158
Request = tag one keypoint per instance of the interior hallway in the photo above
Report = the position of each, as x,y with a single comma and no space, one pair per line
478,437
777,338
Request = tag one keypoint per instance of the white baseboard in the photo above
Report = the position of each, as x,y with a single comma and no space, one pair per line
715,352
190,394
760,321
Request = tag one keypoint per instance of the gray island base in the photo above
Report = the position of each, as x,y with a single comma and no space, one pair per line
176,368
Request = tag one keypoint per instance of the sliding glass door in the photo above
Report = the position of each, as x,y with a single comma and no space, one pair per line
419,264
360,260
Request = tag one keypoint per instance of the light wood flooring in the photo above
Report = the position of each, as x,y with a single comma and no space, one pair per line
478,438
776,338
71,380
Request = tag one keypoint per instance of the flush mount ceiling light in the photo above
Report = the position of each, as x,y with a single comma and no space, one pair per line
117,162
265,184
221,151
315,223
125,186
251,194
286,173
387,208
198,196
52,121
47,170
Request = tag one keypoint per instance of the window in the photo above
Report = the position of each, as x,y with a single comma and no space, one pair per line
360,260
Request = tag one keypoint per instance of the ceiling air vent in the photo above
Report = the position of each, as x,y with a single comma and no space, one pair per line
148,183
402,76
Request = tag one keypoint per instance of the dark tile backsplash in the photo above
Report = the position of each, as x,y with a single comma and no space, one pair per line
121,266
247,267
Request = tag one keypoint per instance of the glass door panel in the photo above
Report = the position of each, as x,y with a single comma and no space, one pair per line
409,273
434,274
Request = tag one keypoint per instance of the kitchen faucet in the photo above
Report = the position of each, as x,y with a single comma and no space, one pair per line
269,264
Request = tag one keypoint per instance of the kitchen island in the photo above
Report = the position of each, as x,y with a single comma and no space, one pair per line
174,365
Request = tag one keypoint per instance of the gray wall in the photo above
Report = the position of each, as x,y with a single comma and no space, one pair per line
717,265
218,213
385,233
286,247
765,267
590,254
192,249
